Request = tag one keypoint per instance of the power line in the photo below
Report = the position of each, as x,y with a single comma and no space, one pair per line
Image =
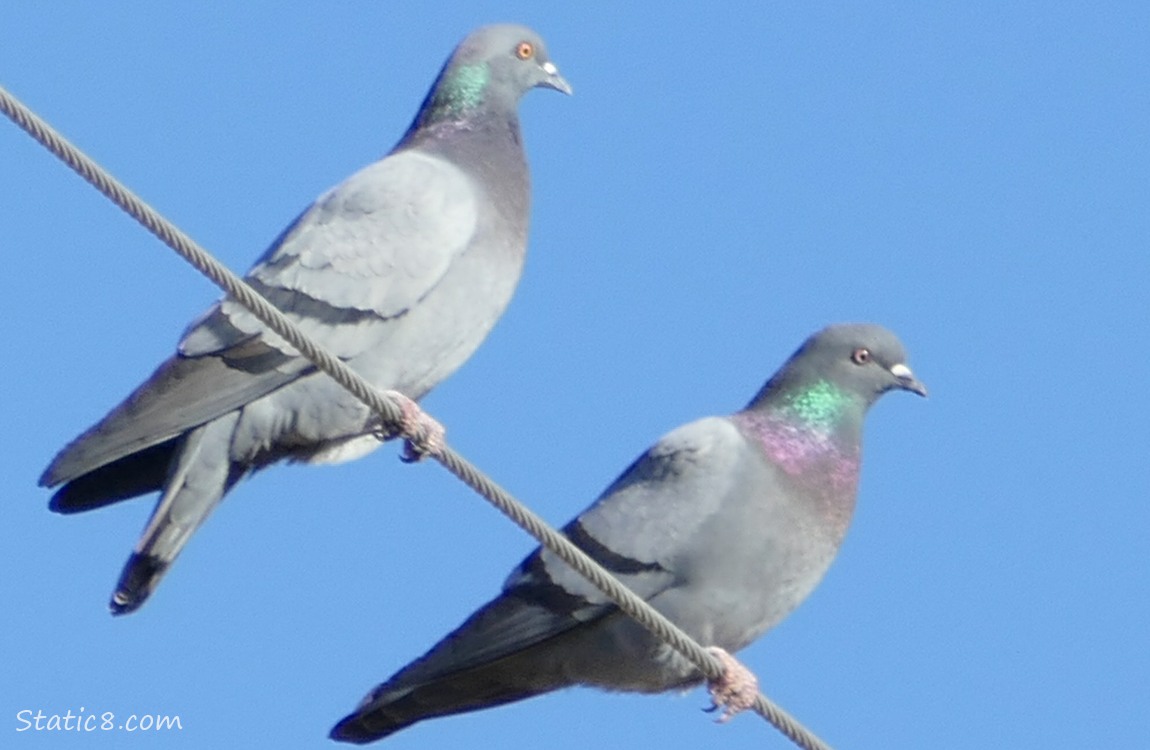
389,410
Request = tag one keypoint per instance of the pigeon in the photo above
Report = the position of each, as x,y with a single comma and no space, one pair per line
401,271
725,525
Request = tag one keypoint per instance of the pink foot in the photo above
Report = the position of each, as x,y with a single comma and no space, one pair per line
737,690
423,436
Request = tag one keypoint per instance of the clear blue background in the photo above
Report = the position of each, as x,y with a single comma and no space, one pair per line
725,181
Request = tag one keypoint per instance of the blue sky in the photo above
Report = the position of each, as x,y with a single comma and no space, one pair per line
725,181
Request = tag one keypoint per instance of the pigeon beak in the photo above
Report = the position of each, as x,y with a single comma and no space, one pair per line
906,379
554,80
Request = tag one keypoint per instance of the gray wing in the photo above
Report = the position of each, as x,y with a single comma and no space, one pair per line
182,393
641,529
366,251
518,645
363,254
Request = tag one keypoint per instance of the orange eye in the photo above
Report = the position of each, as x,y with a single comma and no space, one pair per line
860,356
525,50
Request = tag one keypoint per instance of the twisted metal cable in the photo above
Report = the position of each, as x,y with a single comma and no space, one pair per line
391,412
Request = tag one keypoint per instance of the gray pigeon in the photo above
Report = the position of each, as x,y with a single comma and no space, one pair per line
401,271
724,526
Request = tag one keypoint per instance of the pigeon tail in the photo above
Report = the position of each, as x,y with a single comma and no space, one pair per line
137,582
483,687
200,474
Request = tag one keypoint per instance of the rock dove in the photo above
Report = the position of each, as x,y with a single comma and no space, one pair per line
725,525
401,270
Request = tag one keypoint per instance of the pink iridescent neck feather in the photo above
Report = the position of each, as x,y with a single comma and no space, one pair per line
812,434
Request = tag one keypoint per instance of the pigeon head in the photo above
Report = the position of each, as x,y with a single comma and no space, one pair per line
488,72
839,371
864,359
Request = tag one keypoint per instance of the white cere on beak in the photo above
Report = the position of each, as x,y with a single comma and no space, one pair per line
901,371
549,68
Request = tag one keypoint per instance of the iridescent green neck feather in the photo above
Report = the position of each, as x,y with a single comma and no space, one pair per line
461,91
819,406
